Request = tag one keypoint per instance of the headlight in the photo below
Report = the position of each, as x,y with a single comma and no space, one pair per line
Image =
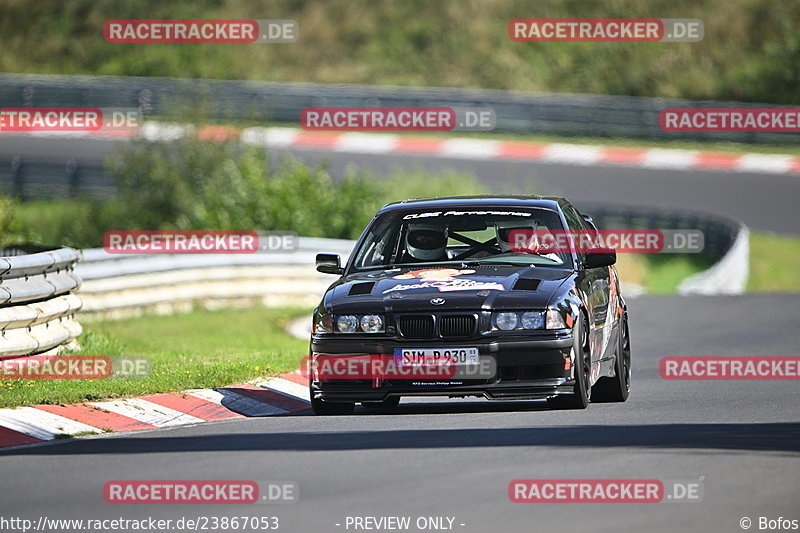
506,321
555,320
531,320
518,320
360,323
347,323
371,324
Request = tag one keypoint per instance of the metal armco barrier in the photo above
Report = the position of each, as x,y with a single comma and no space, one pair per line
583,115
117,286
37,300
719,233
726,243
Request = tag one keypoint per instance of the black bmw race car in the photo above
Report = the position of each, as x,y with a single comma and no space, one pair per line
437,300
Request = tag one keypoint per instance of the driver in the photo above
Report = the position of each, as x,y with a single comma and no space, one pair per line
517,236
426,242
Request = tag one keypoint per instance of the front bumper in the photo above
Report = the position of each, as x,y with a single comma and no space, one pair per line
530,367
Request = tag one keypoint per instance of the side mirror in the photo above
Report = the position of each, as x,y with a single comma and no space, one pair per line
600,257
329,264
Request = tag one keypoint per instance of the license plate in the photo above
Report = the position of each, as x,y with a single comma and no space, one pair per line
410,357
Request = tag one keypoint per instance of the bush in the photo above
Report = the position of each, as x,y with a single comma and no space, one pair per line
10,232
77,223
202,185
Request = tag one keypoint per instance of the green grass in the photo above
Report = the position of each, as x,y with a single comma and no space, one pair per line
665,272
659,273
774,263
65,222
200,349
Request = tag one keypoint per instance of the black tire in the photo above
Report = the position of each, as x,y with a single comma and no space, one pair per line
618,388
321,407
386,405
581,395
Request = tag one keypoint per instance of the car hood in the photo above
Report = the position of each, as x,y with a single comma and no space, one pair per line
472,288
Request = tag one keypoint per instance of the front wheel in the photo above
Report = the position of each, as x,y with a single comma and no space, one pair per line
618,388
582,368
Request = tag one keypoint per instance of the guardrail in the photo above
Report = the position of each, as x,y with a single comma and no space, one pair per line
37,303
28,177
519,112
726,243
118,286
719,233
728,275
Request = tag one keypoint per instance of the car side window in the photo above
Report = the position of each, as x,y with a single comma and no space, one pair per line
378,250
575,222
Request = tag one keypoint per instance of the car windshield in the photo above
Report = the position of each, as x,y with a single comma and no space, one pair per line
458,236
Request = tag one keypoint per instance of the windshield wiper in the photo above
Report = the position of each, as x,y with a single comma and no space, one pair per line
397,266
449,264
501,262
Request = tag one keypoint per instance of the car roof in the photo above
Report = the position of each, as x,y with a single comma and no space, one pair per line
481,201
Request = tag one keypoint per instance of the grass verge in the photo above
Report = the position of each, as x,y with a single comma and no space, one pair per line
774,261
659,273
200,349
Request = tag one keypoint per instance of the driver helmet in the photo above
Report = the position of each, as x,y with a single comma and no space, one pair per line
426,242
505,233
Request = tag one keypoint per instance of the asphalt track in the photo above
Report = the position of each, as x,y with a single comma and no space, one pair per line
455,458
765,202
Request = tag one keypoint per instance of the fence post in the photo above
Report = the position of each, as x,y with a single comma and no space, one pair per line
73,178
17,179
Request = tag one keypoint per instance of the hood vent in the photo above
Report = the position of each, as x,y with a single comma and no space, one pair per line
361,288
526,284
